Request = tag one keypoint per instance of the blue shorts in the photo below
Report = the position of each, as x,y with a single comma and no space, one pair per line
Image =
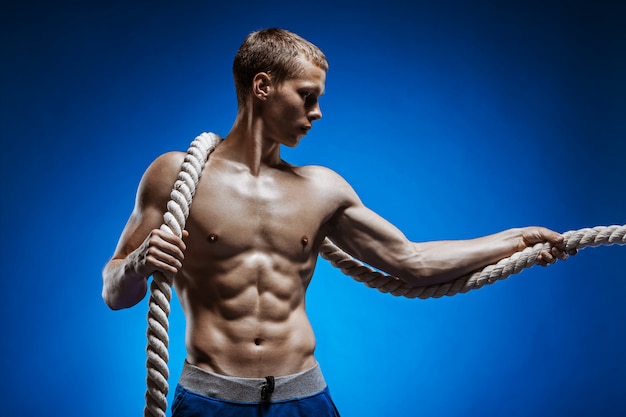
204,394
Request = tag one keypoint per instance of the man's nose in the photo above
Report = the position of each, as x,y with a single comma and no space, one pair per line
316,112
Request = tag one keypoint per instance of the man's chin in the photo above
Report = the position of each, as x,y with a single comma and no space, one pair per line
295,142
292,144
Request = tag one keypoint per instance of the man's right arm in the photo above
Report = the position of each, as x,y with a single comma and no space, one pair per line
142,248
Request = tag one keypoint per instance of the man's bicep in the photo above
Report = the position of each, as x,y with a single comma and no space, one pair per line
369,237
137,228
150,203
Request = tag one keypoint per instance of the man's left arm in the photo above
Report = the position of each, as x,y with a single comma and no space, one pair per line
370,238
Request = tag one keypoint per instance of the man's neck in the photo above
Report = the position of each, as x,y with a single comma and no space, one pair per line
246,144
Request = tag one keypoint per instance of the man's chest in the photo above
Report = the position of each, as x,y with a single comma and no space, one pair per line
285,217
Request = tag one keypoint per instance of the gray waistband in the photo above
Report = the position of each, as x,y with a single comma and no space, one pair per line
229,388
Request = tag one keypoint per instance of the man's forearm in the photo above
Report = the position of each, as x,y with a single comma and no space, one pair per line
122,288
444,261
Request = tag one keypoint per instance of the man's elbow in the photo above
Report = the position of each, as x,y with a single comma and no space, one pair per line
418,272
408,265
110,301
119,292
118,298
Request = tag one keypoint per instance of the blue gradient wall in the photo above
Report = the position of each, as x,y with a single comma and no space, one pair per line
452,120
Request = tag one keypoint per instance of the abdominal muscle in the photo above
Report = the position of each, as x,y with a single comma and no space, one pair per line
247,318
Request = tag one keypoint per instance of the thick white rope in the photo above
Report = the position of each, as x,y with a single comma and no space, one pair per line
160,288
174,222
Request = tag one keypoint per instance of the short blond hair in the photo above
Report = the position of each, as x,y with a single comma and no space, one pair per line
276,52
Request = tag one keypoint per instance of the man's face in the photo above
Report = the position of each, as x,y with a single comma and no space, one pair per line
294,105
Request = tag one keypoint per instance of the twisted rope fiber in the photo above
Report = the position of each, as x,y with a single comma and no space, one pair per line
160,287
574,239
174,222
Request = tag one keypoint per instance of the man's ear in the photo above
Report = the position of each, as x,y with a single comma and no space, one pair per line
261,85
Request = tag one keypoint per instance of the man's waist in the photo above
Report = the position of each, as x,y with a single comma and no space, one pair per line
270,388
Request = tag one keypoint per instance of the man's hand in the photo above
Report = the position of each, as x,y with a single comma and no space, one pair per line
160,251
533,235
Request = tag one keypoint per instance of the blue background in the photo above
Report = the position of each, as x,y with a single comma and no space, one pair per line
452,120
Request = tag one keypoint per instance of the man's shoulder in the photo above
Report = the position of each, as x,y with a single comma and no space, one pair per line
318,173
162,173
327,181
169,160
166,164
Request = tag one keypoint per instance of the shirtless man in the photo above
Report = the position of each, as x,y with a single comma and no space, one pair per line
252,241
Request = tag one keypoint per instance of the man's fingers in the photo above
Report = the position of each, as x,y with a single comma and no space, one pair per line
545,258
540,259
163,252
166,253
555,240
168,242
166,267
171,238
165,258
160,261
558,253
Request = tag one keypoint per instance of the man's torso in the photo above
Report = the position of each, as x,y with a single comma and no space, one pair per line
251,252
